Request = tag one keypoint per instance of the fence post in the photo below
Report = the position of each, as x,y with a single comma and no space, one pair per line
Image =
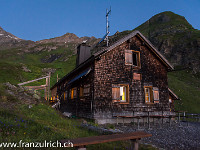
135,144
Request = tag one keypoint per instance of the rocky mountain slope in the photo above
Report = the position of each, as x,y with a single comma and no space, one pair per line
8,40
7,37
175,38
70,38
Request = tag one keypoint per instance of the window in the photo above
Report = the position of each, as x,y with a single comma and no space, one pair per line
132,58
120,93
73,93
151,94
148,94
65,95
81,92
86,90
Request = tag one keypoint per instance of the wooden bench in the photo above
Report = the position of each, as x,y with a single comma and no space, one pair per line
81,143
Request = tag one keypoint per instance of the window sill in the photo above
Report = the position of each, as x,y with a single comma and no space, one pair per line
149,103
118,101
134,67
123,103
115,101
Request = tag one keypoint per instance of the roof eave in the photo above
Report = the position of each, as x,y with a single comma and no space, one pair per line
165,61
78,67
172,93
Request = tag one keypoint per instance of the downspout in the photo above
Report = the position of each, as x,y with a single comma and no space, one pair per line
92,115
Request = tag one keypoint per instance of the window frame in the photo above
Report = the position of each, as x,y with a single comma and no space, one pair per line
65,95
81,94
86,90
138,58
73,95
150,94
127,93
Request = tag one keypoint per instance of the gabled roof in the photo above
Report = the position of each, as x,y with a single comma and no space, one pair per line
132,34
117,43
174,96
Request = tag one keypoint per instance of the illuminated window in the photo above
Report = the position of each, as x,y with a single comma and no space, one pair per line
132,58
148,94
73,93
120,93
151,94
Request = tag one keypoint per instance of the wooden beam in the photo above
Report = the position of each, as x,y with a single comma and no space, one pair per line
36,87
33,80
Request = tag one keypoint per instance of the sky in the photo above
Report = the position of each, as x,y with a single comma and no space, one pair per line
44,19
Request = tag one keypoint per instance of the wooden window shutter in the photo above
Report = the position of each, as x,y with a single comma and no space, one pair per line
136,76
155,95
128,57
81,92
86,90
75,92
116,93
66,93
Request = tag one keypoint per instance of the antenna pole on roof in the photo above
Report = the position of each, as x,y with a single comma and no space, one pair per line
107,24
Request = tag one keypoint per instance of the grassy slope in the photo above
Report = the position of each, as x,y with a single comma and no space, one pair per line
11,65
187,87
41,122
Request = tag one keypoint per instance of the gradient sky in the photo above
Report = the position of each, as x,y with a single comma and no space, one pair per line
43,19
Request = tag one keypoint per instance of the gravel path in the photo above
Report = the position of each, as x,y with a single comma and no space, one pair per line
177,137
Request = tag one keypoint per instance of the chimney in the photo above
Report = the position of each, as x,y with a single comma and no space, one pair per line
83,53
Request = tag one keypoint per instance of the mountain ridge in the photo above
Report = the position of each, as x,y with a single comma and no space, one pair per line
175,38
170,33
68,38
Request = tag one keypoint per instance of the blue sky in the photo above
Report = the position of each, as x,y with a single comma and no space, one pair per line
43,19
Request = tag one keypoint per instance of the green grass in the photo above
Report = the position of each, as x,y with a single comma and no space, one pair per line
187,87
12,61
41,122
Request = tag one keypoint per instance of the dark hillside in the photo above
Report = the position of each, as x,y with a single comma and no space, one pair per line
175,38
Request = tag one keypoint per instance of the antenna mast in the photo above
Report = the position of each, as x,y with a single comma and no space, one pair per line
107,25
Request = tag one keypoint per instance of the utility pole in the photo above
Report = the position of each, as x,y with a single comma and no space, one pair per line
107,25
